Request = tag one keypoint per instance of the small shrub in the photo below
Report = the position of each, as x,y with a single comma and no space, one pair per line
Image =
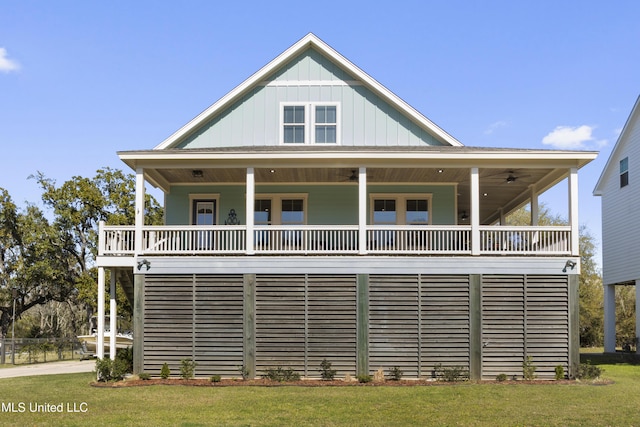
451,373
216,378
528,369
103,369
378,376
326,373
365,378
501,377
125,355
165,371
395,374
110,370
559,372
144,376
187,369
587,371
244,372
281,375
119,369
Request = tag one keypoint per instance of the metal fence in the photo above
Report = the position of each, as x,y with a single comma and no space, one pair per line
24,351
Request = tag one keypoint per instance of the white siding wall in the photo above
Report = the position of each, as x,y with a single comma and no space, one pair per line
620,208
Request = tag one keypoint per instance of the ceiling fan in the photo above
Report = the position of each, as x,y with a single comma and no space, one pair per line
511,176
353,177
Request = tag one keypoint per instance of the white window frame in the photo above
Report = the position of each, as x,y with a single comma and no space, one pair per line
310,121
401,205
624,172
276,204
208,196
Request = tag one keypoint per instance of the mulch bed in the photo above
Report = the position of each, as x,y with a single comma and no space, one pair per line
205,382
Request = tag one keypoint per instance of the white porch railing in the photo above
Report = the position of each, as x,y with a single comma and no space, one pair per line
415,239
336,240
554,240
228,239
306,239
116,240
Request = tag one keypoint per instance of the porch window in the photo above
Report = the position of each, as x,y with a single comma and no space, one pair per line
262,212
279,209
384,211
417,211
400,209
292,212
624,172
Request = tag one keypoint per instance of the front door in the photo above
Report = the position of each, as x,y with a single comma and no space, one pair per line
204,213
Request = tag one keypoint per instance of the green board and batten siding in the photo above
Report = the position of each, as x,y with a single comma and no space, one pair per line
254,120
326,204
360,323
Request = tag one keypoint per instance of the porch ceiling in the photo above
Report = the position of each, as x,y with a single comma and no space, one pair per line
507,176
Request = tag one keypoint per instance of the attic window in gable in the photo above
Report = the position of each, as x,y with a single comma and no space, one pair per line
624,172
294,124
314,123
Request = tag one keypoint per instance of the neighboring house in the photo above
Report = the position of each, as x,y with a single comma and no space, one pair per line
312,214
619,187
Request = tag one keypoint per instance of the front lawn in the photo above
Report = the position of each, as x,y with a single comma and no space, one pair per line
464,404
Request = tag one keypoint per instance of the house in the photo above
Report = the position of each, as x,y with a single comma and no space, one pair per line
312,214
620,192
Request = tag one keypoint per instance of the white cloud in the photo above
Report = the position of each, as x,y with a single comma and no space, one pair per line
6,64
567,137
494,126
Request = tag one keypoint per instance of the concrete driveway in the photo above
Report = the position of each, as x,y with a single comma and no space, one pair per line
51,368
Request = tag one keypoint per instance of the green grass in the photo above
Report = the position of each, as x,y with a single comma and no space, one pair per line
464,404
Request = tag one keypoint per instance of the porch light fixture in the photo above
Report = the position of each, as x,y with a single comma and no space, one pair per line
570,264
144,262
197,173
440,170
464,216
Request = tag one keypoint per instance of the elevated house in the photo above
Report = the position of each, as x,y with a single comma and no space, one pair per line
312,214
619,188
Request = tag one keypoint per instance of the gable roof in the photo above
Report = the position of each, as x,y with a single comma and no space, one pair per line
597,191
309,41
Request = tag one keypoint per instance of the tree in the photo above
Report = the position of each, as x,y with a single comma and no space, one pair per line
590,288
43,261
34,267
79,205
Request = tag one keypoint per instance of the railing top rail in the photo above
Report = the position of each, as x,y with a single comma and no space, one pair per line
119,227
525,228
192,227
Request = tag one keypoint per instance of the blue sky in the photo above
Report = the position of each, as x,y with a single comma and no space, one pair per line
81,80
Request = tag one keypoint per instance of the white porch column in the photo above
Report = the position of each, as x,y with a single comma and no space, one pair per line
475,211
100,326
139,210
113,313
250,205
535,209
609,318
573,212
362,211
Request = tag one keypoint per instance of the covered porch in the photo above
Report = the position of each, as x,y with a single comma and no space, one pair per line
485,186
